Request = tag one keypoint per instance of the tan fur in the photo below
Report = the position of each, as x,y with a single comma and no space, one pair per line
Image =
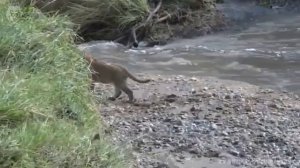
114,74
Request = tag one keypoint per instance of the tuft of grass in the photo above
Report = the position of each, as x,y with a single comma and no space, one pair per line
109,17
43,74
108,12
112,17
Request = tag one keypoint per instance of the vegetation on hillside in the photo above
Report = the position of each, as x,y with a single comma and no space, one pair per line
118,20
47,116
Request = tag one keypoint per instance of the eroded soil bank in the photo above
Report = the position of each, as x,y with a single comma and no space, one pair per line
182,122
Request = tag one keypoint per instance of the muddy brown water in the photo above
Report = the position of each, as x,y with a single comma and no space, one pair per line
267,54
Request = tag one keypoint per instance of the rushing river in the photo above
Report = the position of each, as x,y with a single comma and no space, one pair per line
266,53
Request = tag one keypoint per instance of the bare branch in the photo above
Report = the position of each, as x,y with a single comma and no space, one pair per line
144,24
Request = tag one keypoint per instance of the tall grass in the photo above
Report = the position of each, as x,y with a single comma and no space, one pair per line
119,13
47,116
103,18
107,19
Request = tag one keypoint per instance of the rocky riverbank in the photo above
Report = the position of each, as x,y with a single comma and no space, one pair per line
179,120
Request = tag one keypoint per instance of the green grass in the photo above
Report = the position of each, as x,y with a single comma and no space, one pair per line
47,115
112,19
109,17
119,13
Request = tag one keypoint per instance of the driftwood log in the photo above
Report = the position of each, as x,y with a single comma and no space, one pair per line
144,25
138,31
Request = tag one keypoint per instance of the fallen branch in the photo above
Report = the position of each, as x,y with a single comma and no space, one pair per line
163,18
120,39
144,24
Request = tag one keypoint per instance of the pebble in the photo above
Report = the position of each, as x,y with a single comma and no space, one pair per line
193,108
214,126
194,79
183,123
234,152
228,97
224,133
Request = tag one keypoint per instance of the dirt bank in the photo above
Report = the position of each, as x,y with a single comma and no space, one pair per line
178,119
186,22
153,21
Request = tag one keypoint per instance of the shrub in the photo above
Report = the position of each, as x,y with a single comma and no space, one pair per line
106,18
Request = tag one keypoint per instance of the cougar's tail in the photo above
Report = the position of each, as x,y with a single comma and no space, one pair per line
136,79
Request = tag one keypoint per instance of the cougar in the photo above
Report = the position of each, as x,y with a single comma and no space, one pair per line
114,74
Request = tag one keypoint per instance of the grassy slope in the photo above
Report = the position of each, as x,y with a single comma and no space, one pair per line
42,74
105,19
113,19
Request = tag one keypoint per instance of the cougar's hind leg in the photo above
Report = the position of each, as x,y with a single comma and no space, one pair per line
128,92
117,94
